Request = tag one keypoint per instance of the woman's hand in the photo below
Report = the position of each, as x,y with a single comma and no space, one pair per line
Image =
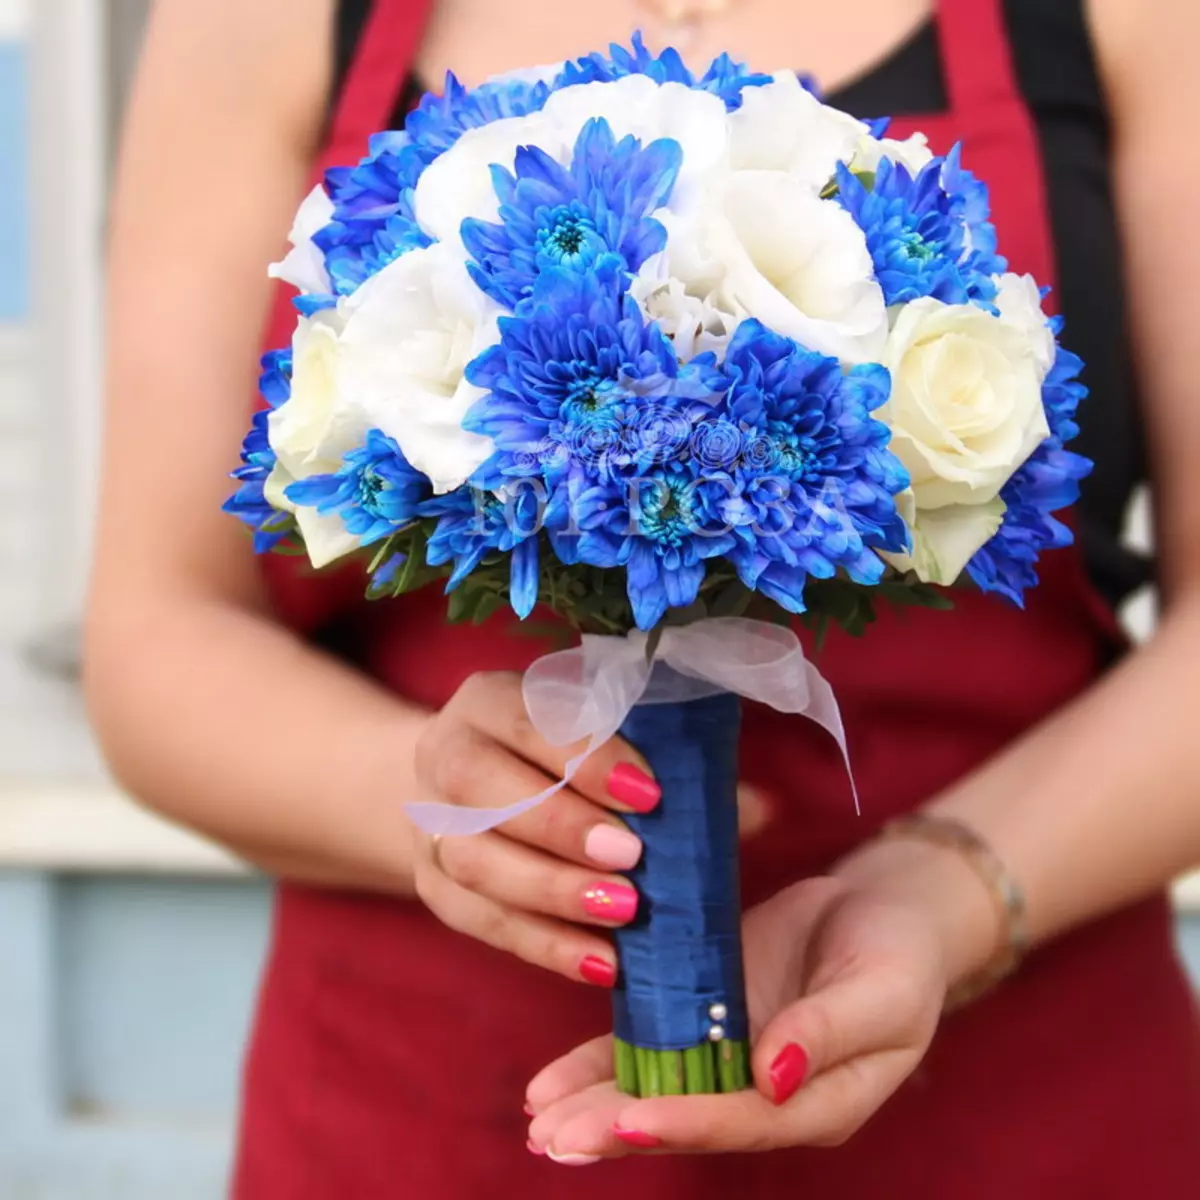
531,885
846,985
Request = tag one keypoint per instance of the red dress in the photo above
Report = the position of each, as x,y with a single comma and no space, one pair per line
390,1056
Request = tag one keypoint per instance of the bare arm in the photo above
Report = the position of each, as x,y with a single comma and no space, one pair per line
1099,806
1094,809
208,710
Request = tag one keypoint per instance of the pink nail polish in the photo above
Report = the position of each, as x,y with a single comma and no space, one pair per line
635,1137
598,971
616,849
788,1072
615,902
631,785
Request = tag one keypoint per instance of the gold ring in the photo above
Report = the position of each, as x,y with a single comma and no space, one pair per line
435,852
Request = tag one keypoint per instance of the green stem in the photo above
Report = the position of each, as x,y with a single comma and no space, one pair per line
626,1067
706,1069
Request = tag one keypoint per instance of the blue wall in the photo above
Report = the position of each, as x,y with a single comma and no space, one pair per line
14,183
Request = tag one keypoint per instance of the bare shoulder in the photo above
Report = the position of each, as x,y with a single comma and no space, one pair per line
1146,50
269,60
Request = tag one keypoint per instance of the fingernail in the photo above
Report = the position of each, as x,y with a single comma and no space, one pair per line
617,849
788,1072
631,785
635,1137
597,970
527,1109
534,1148
573,1160
614,902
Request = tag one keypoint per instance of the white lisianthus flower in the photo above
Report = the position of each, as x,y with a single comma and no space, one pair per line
694,320
944,540
1019,300
414,328
913,153
965,413
783,127
391,357
304,265
636,105
458,184
763,245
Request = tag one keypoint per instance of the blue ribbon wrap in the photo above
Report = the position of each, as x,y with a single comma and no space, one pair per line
683,953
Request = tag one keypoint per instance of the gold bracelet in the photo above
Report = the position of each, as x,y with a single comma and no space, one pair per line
1002,887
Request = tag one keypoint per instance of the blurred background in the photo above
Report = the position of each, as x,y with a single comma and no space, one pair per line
129,951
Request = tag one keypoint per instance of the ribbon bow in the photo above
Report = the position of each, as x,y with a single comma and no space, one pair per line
588,691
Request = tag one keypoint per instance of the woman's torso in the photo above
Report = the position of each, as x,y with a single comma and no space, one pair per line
390,1056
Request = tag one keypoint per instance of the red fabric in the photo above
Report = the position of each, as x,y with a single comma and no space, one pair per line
390,1056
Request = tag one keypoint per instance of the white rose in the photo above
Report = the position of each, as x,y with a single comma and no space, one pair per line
304,266
784,127
763,245
945,539
966,405
913,153
312,431
965,413
1019,300
412,331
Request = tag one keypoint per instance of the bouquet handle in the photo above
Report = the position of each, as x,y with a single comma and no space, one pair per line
679,1008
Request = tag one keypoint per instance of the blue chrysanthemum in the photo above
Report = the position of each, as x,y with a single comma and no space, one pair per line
275,381
376,491
373,221
575,365
439,121
973,204
918,234
724,78
1048,481
249,503
473,524
816,481
554,216
661,526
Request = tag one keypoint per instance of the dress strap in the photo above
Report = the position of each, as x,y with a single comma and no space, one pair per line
382,62
976,54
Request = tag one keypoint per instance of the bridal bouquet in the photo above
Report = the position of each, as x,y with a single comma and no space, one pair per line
657,350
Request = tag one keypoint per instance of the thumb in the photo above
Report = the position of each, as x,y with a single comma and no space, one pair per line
845,1019
755,810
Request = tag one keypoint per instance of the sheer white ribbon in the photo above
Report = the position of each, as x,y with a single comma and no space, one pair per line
588,691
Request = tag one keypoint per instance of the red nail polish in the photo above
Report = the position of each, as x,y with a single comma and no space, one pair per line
635,1137
788,1072
614,902
631,785
597,970
534,1148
